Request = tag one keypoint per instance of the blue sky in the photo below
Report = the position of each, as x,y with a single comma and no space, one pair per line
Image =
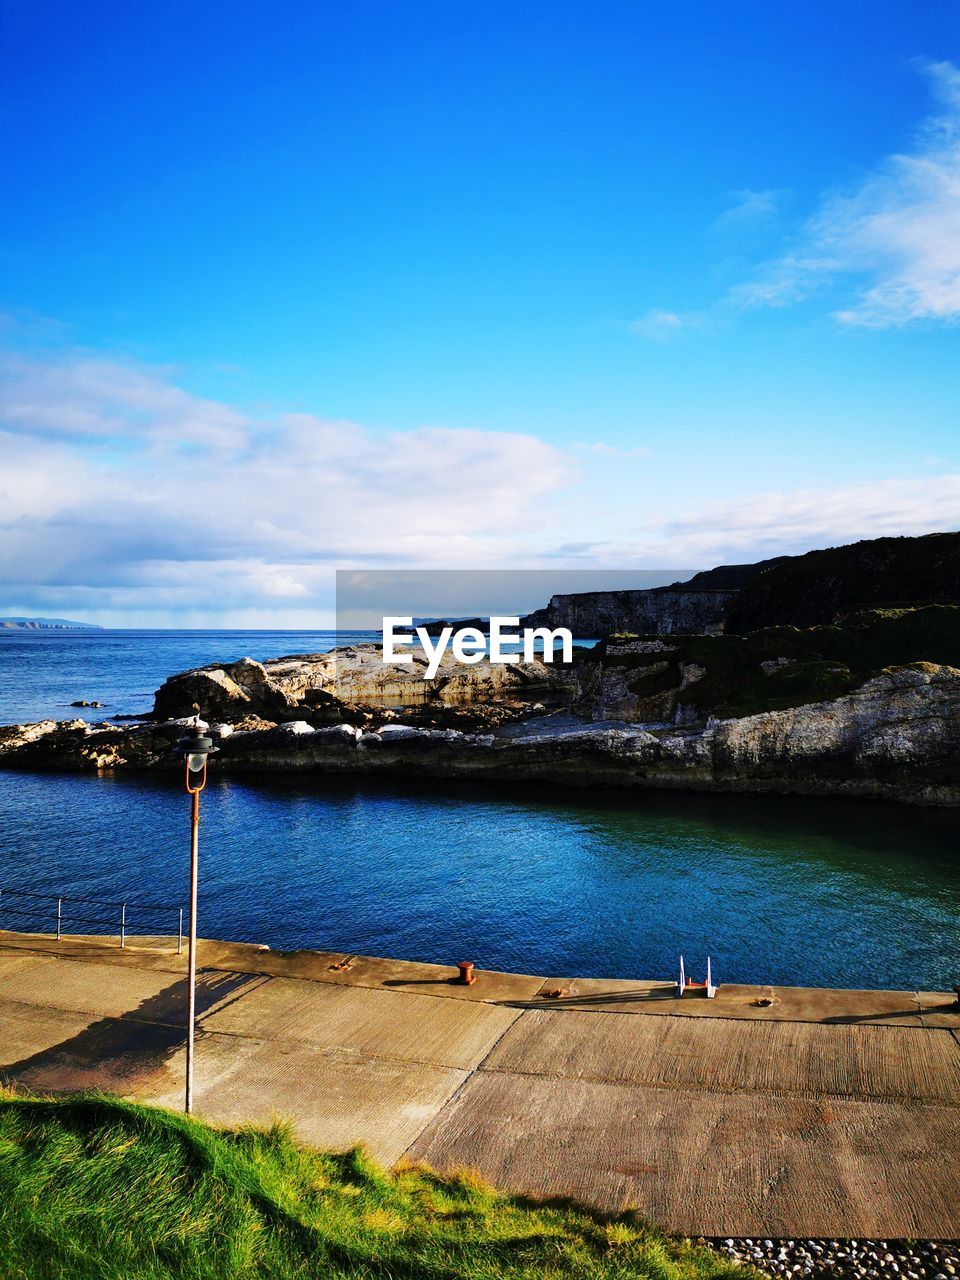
317,285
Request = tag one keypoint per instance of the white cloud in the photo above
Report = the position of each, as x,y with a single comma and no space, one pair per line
121,491
893,242
168,509
787,522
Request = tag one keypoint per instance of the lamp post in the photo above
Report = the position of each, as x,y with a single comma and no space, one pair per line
195,746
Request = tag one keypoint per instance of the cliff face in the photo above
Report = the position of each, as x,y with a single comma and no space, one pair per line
897,736
662,610
795,591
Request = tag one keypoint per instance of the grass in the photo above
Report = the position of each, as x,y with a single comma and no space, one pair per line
91,1186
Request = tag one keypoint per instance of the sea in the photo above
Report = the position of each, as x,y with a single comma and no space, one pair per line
555,881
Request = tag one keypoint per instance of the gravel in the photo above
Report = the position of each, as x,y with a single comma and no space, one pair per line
863,1259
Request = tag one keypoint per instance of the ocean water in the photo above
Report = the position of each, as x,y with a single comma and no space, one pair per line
775,889
42,672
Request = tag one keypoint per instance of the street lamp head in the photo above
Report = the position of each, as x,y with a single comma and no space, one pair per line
194,747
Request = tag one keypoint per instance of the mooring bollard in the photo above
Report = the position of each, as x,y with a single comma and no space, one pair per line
467,975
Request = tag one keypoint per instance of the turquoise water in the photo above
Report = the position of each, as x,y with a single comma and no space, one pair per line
777,889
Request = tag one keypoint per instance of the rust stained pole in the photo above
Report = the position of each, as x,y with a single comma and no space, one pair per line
192,937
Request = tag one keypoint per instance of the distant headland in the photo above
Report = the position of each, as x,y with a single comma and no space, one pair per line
46,624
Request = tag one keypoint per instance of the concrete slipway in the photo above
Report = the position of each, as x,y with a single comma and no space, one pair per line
775,1111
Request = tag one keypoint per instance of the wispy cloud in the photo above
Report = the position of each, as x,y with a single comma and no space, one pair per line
95,398
657,324
662,326
748,208
892,243
603,450
785,522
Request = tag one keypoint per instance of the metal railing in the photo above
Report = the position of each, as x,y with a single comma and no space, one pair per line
122,909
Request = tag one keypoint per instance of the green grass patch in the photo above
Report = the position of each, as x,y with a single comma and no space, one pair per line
94,1187
823,662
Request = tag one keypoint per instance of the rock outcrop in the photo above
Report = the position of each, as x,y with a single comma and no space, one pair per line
897,736
355,685
686,679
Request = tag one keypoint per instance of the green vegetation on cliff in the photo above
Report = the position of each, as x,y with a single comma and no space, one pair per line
94,1187
812,589
783,667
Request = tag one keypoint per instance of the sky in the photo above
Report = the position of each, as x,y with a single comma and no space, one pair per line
619,285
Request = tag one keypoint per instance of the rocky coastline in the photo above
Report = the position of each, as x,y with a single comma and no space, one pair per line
897,736
865,704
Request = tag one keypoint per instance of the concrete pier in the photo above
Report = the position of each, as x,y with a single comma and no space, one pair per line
775,1111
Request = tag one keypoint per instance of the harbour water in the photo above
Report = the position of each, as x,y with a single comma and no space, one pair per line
776,889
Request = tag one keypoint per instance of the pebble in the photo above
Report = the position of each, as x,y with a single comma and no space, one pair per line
857,1259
